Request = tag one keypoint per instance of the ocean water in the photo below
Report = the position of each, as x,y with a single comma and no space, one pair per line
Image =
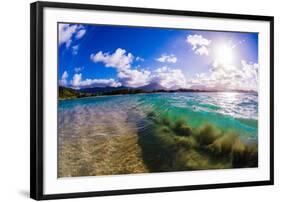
125,114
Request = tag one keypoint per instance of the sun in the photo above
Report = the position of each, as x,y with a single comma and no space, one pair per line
224,54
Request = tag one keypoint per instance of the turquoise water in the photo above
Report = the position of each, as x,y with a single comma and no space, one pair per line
111,115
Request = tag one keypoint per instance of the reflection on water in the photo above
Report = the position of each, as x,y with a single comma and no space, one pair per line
97,134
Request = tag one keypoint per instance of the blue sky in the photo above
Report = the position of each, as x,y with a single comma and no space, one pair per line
100,55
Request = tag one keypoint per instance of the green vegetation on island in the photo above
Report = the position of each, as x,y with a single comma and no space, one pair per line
70,93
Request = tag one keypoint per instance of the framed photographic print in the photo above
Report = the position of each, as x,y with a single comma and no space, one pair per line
134,100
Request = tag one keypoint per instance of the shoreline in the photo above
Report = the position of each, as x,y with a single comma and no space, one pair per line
63,99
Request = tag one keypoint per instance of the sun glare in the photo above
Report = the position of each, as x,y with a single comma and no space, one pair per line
224,54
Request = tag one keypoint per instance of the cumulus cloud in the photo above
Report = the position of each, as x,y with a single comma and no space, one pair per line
119,59
202,51
199,44
80,33
63,80
221,76
250,69
167,58
122,62
228,77
78,69
139,59
78,82
69,32
169,78
134,77
75,49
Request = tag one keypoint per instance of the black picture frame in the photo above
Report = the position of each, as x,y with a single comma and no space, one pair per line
36,99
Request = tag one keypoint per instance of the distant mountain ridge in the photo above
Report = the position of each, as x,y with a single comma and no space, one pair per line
152,87
69,93
101,89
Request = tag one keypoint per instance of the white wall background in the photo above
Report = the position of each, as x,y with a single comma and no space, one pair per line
14,101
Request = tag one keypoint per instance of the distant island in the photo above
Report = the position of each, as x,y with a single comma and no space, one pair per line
71,93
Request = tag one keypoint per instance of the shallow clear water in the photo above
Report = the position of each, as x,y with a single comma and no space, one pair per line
124,114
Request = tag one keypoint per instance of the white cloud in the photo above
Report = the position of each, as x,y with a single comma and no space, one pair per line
167,58
250,69
80,33
139,59
65,33
199,44
134,78
68,32
63,80
75,49
169,78
119,59
202,51
77,82
229,77
122,61
221,76
78,69
250,72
